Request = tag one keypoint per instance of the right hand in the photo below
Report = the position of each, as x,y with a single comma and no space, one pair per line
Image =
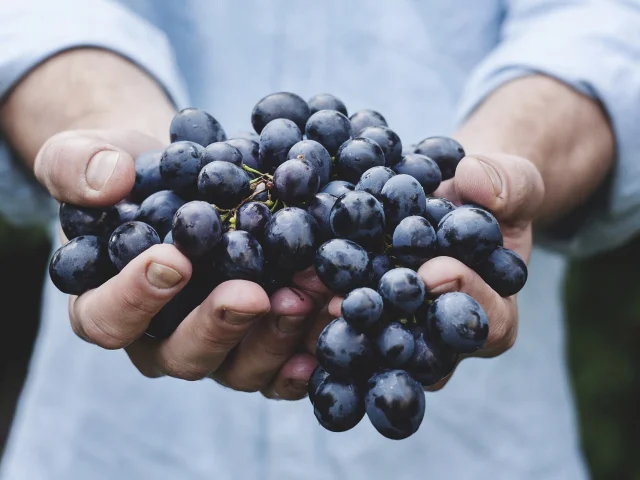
95,168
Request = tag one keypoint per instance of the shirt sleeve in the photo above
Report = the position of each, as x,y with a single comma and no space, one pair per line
32,31
594,47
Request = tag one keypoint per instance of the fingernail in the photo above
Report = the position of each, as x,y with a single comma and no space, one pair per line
289,324
494,176
161,276
445,287
238,318
299,385
101,167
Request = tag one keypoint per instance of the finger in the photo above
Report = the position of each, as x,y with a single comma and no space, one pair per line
321,320
335,307
90,168
268,344
119,311
292,379
447,189
310,283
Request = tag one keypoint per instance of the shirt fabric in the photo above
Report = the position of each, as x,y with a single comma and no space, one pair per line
87,413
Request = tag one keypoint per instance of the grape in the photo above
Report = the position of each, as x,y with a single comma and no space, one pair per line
326,101
168,238
222,152
338,405
436,209
356,156
244,135
158,210
446,152
504,271
318,376
329,128
127,211
223,184
395,345
291,238
240,257
469,234
343,265
280,105
374,179
414,242
80,221
366,118
358,216
180,165
459,322
421,168
250,151
80,265
395,404
431,361
148,178
195,125
260,194
196,229
320,208
388,140
129,240
402,291
337,188
276,139
361,308
380,264
343,351
274,278
402,196
316,154
252,217
296,182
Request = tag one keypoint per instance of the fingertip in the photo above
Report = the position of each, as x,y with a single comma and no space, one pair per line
291,302
309,281
442,273
291,382
241,296
335,307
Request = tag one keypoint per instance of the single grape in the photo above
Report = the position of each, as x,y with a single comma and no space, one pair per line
80,265
291,238
356,156
469,234
80,221
168,238
244,135
316,154
196,229
395,345
361,308
250,151
240,257
127,211
296,182
180,165
329,128
129,240
388,140
274,277
402,197
158,210
459,321
326,101
280,105
380,264
395,404
343,351
338,405
436,209
148,178
431,361
343,265
414,242
423,169
276,139
358,216
445,151
252,217
374,179
366,118
337,188
504,271
223,184
195,125
320,208
402,291
222,152
318,376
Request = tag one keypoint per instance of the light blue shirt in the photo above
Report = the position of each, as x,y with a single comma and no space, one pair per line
87,413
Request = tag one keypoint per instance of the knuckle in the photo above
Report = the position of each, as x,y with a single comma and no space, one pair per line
174,367
138,304
106,337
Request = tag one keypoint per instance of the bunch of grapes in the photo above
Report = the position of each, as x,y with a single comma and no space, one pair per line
312,187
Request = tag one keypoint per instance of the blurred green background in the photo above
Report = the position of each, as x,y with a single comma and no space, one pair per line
603,303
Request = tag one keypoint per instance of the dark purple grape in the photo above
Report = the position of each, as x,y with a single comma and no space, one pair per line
469,234
337,188
168,238
358,216
388,140
356,156
129,240
320,208
180,165
326,101
222,152
80,221
338,405
329,128
374,179
148,179
402,291
244,135
366,118
458,321
402,197
80,265
276,139
274,277
431,361
445,151
395,404
421,168
436,209
395,345
252,217
380,264
239,257
361,308
195,125
504,271
343,265
196,229
280,105
223,184
291,238
318,376
127,211
158,210
315,154
343,351
414,242
296,182
250,151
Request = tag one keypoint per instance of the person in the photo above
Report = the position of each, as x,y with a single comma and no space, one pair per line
543,96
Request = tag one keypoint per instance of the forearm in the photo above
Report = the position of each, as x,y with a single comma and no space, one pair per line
80,89
565,134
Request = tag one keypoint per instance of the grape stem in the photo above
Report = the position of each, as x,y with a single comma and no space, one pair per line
255,172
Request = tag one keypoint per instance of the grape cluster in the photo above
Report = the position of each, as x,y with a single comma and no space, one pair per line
312,187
